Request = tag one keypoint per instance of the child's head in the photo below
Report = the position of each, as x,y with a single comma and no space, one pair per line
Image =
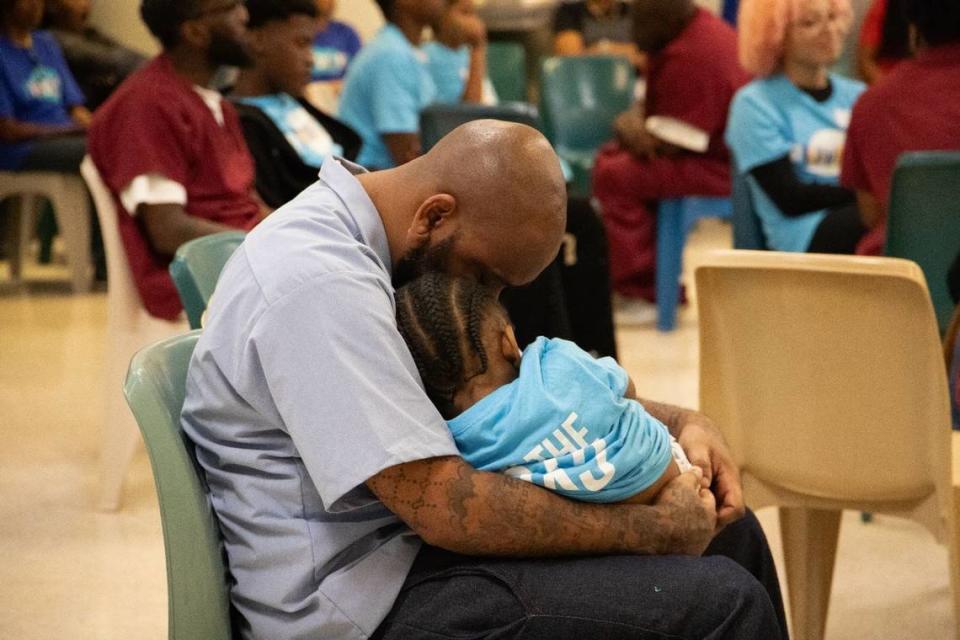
460,337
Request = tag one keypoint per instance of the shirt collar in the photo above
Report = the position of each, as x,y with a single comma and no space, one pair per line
339,174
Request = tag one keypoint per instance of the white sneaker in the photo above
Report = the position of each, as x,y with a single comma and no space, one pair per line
632,312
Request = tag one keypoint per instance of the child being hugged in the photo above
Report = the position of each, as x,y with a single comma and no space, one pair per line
553,415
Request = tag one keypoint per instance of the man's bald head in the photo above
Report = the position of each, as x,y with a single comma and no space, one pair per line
508,192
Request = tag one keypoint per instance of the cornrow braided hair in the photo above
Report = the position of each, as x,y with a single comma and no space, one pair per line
442,321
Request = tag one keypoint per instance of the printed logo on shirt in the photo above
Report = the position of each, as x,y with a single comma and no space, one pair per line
328,61
567,445
823,153
44,84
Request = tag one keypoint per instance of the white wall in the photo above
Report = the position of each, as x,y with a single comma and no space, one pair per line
121,20
362,15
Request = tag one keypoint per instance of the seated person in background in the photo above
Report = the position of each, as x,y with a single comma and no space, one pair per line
915,108
388,85
787,127
884,40
335,45
602,27
503,409
98,62
288,138
457,56
693,73
42,117
171,150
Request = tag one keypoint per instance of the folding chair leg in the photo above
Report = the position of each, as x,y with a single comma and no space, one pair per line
72,209
953,531
809,549
670,239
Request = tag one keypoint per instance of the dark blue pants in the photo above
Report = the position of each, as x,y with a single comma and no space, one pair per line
715,596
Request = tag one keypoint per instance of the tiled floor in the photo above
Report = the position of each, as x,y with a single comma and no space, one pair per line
68,571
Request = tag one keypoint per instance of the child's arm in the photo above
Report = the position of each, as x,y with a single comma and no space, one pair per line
647,495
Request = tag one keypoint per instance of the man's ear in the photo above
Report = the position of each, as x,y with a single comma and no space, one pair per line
434,215
509,347
195,33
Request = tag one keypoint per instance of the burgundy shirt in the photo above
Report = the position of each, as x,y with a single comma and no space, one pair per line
156,123
915,108
695,76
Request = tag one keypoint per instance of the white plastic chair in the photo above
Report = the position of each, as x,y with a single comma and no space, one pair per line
129,328
826,375
71,207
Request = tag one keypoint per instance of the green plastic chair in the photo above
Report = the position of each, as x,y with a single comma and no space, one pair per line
198,602
580,97
437,120
196,268
923,220
507,69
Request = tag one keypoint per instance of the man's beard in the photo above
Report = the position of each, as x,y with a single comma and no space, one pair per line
227,51
422,260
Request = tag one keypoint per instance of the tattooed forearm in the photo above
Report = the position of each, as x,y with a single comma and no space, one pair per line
451,505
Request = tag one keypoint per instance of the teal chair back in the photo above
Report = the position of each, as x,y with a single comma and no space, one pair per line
580,97
196,268
198,601
507,69
923,221
438,120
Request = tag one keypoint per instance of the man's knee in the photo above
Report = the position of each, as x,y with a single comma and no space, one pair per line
739,606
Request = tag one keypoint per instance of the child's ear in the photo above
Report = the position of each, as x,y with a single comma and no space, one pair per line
509,347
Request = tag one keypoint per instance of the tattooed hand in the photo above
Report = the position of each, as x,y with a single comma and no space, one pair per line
688,512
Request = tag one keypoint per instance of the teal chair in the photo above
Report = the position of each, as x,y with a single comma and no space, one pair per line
580,96
923,219
437,120
196,267
197,596
507,69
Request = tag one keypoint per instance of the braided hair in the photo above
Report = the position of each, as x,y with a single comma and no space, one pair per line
442,321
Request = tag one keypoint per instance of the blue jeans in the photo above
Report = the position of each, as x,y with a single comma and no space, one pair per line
447,595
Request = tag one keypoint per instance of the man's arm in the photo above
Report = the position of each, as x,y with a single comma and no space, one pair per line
706,448
476,34
12,130
451,505
869,208
168,226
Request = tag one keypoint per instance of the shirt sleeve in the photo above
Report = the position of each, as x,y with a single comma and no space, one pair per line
353,43
156,140
6,96
754,133
396,98
72,95
871,32
344,383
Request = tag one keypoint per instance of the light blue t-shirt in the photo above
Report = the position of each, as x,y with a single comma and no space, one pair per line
299,390
564,424
449,69
770,118
304,133
386,88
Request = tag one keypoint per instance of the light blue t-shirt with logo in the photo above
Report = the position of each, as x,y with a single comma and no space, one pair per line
771,117
386,88
564,424
304,133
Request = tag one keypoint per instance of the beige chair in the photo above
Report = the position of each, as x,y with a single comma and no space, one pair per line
825,373
71,207
129,329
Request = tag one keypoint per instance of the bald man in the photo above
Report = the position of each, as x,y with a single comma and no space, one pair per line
345,507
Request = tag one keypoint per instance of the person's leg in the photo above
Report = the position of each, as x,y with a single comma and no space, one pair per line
745,543
636,597
628,189
839,231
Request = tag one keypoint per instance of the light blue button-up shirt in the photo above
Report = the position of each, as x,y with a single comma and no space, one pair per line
386,88
300,389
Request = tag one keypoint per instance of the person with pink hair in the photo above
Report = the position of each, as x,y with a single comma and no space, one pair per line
787,128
